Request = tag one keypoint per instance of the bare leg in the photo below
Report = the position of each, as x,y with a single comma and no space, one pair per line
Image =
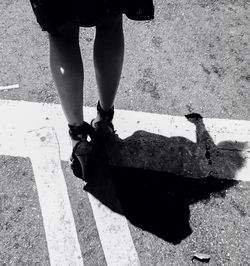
67,71
108,58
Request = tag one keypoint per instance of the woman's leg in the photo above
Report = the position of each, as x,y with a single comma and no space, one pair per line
108,58
67,71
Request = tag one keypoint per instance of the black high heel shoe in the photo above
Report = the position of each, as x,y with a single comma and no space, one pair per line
82,150
104,128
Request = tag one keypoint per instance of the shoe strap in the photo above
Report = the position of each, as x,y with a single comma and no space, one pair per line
107,115
81,132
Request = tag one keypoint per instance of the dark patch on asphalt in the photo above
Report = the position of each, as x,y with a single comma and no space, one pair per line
148,86
205,69
246,78
157,41
148,72
239,60
212,56
238,207
219,71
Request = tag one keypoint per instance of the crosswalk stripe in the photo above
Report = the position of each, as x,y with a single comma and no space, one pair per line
115,236
22,116
61,235
42,148
59,225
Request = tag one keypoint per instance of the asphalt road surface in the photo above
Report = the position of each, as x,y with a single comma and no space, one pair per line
193,58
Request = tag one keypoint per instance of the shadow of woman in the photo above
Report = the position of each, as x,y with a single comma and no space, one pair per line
182,173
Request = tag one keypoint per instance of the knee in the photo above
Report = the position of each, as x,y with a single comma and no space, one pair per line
66,32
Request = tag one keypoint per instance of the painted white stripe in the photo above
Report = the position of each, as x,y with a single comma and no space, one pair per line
21,116
115,236
59,225
113,228
114,232
9,87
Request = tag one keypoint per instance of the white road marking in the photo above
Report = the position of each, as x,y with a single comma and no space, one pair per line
43,150
21,116
59,225
115,236
9,87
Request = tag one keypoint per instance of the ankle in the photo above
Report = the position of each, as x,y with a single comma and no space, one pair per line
81,132
105,108
78,132
105,113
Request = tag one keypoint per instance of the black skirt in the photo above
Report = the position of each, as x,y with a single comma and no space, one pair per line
50,14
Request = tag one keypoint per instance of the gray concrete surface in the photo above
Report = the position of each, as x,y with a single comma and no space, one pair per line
194,57
170,218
